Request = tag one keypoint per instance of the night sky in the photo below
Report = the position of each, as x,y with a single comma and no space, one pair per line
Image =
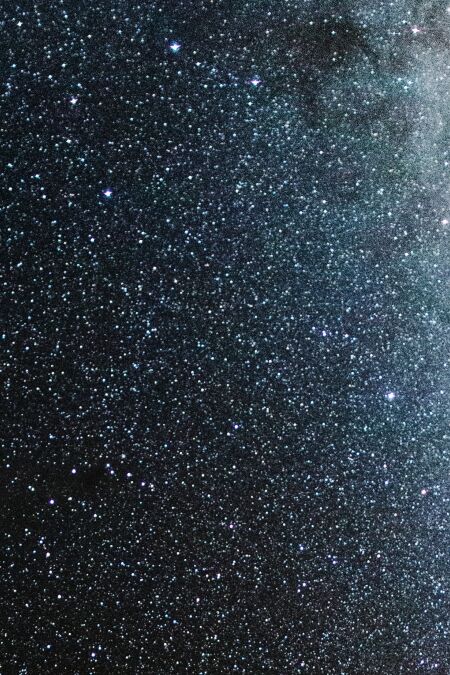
225,337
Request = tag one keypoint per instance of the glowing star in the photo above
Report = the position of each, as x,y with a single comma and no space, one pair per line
73,100
107,192
390,396
415,30
445,221
174,47
255,81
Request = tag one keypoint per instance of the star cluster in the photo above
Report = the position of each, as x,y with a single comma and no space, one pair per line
226,346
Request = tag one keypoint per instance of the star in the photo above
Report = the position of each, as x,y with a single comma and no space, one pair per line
107,192
174,47
390,396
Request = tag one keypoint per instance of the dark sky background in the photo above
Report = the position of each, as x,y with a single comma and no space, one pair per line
225,341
